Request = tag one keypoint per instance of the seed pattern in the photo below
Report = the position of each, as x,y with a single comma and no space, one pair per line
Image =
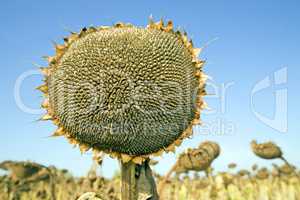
129,91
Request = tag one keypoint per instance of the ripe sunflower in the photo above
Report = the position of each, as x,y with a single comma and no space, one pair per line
128,91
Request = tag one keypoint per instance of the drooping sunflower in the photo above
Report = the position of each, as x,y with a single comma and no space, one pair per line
267,150
128,91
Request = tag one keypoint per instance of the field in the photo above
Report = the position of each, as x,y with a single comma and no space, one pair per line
278,183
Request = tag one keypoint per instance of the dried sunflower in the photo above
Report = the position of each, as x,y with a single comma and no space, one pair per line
128,91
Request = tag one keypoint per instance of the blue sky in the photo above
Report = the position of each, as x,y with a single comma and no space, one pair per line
246,42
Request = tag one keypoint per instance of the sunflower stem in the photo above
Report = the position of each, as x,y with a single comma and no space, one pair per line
129,185
290,166
137,182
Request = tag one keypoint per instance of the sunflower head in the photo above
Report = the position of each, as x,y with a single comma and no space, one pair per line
198,159
266,150
125,90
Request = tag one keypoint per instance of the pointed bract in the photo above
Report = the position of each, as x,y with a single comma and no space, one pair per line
171,148
158,153
84,148
169,26
49,59
138,160
178,142
197,51
59,49
43,88
58,132
72,141
125,158
45,71
45,103
47,117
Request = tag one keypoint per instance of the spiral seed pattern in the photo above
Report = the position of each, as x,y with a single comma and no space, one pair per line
128,90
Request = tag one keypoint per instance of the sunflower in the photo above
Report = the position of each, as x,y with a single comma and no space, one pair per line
128,91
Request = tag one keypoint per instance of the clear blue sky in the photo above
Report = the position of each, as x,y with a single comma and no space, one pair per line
247,41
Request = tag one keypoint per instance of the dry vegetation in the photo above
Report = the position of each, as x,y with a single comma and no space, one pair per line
278,183
32,181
